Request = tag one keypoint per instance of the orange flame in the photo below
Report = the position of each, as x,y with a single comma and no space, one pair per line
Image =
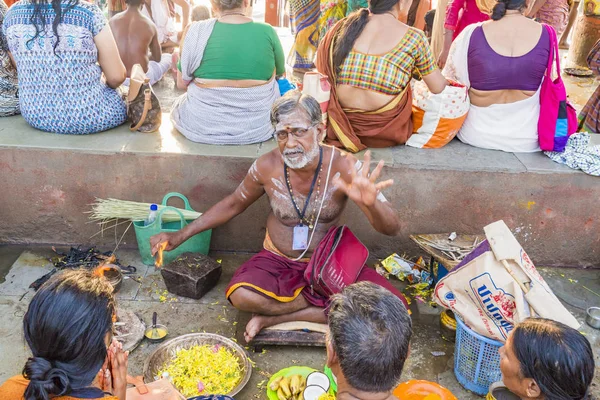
159,255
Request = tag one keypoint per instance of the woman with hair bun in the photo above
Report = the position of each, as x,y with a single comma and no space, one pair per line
544,359
503,63
229,68
68,328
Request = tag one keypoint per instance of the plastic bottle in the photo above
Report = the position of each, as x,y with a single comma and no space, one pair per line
152,215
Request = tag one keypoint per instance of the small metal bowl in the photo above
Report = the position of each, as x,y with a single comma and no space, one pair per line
159,327
114,275
593,317
168,350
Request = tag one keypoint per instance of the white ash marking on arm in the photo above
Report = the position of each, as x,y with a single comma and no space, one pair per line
253,171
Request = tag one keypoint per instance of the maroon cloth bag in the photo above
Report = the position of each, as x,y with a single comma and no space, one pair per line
336,263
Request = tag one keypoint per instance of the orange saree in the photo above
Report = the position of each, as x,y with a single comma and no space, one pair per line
353,129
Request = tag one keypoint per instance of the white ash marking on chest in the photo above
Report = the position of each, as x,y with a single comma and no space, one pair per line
284,209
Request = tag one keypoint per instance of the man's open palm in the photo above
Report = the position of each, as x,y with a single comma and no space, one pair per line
363,188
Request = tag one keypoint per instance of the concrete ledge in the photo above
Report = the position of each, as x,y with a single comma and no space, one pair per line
49,180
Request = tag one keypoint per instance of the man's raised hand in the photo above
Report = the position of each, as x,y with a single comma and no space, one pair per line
363,188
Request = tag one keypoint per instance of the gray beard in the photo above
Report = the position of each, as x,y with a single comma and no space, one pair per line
303,160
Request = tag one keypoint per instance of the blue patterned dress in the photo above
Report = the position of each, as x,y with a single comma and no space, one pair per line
62,92
9,90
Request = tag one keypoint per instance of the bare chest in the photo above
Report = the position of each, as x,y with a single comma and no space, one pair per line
284,209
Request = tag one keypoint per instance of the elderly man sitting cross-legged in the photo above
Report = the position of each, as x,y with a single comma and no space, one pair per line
308,186
368,342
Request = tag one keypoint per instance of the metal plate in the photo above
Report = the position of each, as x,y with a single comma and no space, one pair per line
582,72
168,350
129,329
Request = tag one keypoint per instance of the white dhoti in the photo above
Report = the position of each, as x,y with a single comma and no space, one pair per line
511,127
156,70
165,24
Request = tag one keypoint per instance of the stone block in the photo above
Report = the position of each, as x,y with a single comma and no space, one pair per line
191,275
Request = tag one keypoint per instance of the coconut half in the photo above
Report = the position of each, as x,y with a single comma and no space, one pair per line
314,392
318,379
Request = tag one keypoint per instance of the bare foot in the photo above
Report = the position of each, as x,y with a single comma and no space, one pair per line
255,325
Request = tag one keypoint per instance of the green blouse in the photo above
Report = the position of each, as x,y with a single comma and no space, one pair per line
241,51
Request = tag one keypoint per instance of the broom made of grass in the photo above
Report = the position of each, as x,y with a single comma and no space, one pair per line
105,210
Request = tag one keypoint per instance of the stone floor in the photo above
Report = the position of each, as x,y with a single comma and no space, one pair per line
20,266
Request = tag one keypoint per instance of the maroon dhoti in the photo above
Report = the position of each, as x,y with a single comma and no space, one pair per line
282,279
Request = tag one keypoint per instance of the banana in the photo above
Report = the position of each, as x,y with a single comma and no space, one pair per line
295,384
281,395
284,385
302,383
275,384
300,395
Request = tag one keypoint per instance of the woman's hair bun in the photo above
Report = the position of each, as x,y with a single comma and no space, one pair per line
44,379
499,10
224,5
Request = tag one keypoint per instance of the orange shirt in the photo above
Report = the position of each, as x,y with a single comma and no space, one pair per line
14,389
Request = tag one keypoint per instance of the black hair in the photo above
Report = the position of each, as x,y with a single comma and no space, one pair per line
353,26
370,331
38,17
226,5
429,18
502,6
134,3
65,327
558,358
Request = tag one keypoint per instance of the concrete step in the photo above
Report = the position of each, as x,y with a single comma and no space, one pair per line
49,181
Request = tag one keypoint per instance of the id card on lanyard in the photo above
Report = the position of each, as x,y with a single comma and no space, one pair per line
300,237
300,233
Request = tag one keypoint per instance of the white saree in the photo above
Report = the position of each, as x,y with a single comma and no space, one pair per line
220,115
511,127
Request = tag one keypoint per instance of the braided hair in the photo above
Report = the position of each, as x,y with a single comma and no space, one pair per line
353,26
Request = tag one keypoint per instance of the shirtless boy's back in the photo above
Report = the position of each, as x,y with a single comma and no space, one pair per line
135,34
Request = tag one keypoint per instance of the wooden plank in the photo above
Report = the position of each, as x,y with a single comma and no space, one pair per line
288,338
277,338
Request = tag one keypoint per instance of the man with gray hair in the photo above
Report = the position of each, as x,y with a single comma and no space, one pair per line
368,341
308,185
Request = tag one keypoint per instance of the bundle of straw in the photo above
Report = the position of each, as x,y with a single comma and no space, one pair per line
105,210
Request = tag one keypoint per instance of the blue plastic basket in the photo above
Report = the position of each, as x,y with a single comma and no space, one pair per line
476,359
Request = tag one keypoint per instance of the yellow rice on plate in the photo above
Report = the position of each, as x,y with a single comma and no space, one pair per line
203,370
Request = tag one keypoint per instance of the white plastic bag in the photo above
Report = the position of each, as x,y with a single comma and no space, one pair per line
487,296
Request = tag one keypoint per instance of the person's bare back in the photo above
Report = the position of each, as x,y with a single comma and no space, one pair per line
135,34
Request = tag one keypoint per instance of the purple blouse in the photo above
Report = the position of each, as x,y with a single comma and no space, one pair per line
489,70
